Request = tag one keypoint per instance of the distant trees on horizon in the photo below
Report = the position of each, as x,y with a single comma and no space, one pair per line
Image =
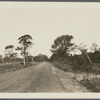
25,42
61,48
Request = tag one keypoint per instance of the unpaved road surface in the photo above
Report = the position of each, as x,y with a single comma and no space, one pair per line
42,77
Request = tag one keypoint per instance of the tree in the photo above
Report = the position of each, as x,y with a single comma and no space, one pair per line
9,50
95,48
14,55
25,42
82,48
62,45
95,53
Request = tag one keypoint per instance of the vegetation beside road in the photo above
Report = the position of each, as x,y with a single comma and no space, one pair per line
87,62
11,61
64,56
8,67
88,79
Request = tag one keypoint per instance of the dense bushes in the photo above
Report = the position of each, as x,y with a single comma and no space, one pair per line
63,66
41,58
95,56
72,63
62,58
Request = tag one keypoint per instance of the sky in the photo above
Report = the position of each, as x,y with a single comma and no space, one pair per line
45,21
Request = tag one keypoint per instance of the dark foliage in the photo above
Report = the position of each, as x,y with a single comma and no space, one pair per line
41,58
72,63
95,56
62,45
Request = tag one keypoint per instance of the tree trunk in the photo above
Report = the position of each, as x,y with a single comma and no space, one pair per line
27,58
32,59
89,58
24,60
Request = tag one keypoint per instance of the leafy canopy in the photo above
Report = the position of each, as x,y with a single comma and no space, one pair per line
25,40
62,44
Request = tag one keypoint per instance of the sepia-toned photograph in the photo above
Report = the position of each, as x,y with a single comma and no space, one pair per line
49,47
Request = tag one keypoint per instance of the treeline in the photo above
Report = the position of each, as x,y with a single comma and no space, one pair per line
64,54
24,43
66,58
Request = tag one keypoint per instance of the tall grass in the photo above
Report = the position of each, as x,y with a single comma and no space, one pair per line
8,67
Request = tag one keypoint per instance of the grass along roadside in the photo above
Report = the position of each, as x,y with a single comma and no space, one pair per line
8,67
89,80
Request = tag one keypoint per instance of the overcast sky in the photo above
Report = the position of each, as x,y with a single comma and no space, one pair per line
46,21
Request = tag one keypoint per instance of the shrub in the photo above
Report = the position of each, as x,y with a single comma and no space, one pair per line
72,63
62,66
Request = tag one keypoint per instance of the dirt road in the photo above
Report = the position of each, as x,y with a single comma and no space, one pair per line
42,77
